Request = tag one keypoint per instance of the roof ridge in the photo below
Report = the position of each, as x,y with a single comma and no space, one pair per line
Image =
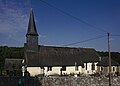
64,47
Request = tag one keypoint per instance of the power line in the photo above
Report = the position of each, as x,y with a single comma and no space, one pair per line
115,35
74,17
85,40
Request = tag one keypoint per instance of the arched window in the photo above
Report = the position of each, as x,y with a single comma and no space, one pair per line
113,68
101,68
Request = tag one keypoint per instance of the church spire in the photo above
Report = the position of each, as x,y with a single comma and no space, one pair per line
32,35
31,26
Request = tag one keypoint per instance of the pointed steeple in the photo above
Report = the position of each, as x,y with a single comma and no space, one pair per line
31,26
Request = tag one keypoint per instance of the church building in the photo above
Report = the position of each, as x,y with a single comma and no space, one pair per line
53,60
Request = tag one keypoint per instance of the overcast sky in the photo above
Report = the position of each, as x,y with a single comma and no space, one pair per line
58,29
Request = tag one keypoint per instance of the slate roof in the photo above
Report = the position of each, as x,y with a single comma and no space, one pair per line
31,26
11,64
61,56
56,56
105,62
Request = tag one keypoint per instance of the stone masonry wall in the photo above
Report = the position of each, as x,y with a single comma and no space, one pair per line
60,81
79,81
19,81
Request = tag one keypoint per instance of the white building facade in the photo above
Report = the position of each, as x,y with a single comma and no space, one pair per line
68,70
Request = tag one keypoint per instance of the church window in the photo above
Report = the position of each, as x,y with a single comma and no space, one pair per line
64,68
113,68
76,68
93,66
86,66
49,68
42,67
101,68
83,66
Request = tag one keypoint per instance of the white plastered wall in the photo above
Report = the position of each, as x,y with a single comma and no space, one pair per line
69,70
89,68
34,70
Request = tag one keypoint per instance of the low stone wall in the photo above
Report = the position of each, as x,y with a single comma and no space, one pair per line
19,81
60,81
79,81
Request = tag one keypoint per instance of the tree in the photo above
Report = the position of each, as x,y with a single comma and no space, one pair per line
10,52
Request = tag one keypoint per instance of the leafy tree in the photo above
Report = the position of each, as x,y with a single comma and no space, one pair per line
114,55
18,52
10,52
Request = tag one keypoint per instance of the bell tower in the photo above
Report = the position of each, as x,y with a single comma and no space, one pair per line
32,35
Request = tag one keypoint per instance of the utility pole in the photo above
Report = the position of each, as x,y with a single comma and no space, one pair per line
109,59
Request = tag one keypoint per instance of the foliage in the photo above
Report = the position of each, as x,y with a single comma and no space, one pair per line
18,52
114,55
10,52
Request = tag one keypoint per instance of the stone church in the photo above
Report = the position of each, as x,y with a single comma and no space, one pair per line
53,60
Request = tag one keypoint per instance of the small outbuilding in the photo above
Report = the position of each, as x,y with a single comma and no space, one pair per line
13,66
103,66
